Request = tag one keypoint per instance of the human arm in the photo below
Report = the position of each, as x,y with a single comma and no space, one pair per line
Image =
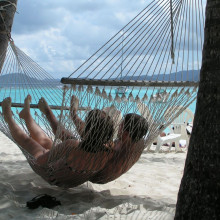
79,123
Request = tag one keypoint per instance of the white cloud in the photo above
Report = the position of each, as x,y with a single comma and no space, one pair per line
60,35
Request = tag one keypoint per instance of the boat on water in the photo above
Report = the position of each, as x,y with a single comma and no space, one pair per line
121,90
160,96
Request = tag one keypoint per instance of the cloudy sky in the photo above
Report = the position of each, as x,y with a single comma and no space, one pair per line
60,34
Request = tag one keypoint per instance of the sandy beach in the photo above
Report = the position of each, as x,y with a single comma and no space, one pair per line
148,191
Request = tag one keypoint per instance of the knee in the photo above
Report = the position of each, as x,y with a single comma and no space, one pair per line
23,141
42,157
28,141
46,143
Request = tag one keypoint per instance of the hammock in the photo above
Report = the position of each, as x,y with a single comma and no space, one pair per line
153,61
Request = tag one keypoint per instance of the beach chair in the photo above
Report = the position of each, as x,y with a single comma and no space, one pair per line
180,129
168,139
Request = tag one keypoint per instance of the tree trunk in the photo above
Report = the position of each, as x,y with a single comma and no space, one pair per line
7,12
199,193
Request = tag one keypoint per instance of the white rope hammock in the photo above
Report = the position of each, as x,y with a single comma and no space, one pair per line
155,59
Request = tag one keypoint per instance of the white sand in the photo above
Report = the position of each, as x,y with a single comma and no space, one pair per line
148,191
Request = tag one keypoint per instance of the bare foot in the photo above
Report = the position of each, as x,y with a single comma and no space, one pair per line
74,105
26,110
43,106
6,109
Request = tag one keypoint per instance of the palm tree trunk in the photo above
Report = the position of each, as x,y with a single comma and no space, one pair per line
7,11
199,193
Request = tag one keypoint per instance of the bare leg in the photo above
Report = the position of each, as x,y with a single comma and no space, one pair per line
35,131
21,138
79,123
44,107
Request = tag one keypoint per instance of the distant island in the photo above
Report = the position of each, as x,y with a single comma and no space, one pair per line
21,79
191,76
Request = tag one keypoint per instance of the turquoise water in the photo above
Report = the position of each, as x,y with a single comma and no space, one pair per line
54,96
192,107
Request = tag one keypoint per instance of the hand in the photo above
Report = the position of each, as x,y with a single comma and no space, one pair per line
74,105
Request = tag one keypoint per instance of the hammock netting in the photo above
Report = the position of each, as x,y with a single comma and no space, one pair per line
150,67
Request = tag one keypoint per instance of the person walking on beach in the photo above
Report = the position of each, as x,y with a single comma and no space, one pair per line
38,144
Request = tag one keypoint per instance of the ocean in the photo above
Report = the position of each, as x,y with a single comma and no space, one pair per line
54,96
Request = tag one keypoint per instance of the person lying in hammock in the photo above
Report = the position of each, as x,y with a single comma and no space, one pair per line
127,148
107,166
38,144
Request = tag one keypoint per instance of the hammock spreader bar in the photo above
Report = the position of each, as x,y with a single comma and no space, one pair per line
54,107
138,83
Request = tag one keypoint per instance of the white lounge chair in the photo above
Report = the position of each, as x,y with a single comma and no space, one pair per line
180,129
168,139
